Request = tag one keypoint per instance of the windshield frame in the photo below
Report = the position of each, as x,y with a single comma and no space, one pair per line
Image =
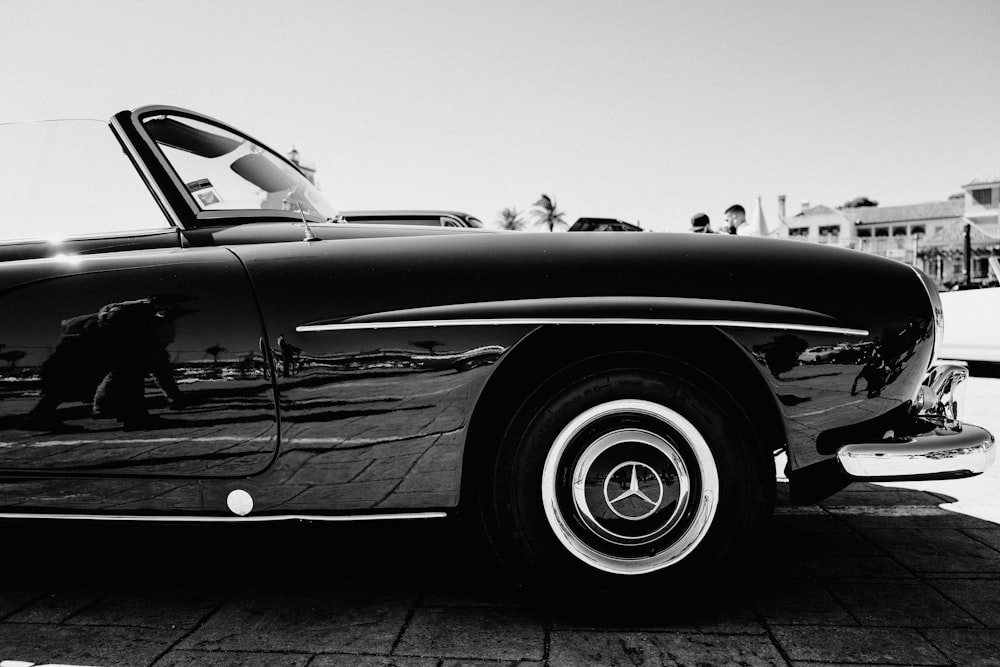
167,184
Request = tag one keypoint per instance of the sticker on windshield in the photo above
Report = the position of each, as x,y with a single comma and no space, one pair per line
205,193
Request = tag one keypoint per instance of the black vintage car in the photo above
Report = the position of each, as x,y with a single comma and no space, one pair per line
190,331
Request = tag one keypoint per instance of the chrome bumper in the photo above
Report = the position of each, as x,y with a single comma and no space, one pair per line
947,449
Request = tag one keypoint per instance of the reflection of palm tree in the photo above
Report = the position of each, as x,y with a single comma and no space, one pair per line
245,364
428,345
510,218
214,352
546,213
13,357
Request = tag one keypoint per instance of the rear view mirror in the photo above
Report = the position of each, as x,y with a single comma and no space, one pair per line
183,137
262,172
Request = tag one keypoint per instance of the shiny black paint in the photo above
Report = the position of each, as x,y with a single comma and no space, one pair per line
151,240
209,331
469,276
377,419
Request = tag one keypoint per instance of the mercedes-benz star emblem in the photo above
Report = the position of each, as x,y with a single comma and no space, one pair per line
642,495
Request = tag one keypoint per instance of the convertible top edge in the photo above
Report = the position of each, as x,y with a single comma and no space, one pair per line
786,326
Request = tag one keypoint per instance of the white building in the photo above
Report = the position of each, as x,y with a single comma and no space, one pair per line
930,236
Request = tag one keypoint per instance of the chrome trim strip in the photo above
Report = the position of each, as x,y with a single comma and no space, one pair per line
939,454
534,321
228,519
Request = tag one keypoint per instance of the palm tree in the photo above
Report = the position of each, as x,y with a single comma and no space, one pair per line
545,213
510,218
13,357
214,352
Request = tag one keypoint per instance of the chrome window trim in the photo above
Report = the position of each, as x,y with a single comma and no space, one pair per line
226,519
534,321
144,172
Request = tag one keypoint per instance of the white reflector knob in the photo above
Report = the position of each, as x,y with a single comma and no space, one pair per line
240,502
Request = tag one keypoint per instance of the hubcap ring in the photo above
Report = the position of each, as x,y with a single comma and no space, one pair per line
607,442
700,510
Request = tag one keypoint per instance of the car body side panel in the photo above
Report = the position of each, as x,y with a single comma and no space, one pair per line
133,364
374,418
825,381
418,296
377,420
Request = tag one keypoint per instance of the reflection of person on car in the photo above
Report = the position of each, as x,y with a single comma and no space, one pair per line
886,358
781,354
290,357
104,358
875,372
138,333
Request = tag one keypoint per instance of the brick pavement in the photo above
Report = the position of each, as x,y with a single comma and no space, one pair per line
873,576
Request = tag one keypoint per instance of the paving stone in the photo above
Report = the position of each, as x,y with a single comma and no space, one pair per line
371,661
329,619
824,568
474,632
936,550
900,604
968,647
220,659
988,536
857,645
150,607
807,663
820,535
806,604
875,496
486,591
15,598
980,598
723,610
57,605
76,645
610,649
901,517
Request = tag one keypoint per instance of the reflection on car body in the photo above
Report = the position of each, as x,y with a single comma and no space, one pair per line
603,225
606,407
422,218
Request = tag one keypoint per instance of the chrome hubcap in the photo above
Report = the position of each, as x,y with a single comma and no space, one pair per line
629,486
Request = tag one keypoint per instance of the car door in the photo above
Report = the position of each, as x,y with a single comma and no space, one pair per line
123,352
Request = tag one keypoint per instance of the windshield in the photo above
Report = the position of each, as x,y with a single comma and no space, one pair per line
226,172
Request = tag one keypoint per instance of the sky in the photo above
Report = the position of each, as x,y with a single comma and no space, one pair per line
647,111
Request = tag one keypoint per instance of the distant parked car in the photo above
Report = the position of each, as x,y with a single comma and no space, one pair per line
421,218
603,225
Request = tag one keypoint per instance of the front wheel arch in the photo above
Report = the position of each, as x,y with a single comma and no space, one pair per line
549,350
564,545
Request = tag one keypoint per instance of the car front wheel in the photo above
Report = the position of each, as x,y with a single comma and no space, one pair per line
621,478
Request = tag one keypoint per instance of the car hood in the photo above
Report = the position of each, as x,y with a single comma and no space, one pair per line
358,277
